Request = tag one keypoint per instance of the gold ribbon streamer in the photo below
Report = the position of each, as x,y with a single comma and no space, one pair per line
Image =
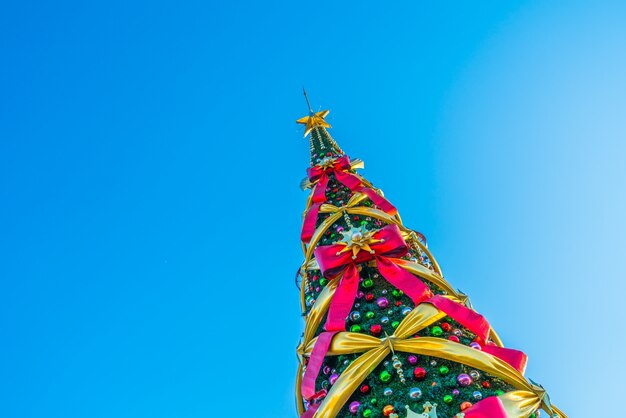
411,236
299,403
314,319
520,403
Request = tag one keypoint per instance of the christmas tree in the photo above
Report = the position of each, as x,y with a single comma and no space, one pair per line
385,334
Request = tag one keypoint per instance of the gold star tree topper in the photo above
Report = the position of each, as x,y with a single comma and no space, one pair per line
314,120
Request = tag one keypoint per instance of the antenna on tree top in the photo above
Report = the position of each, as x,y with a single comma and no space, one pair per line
307,100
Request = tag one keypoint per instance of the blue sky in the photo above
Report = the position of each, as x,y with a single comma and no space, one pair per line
149,171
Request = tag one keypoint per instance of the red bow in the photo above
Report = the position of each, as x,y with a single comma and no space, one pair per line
334,260
340,168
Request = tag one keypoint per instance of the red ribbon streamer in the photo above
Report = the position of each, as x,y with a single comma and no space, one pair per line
515,358
463,315
340,168
315,364
308,226
309,413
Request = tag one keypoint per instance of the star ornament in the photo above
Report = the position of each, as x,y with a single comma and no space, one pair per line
430,411
314,120
357,239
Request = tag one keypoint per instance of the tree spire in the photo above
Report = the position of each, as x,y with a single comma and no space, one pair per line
320,140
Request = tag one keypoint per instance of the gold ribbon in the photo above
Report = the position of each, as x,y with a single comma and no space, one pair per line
315,316
520,403
299,403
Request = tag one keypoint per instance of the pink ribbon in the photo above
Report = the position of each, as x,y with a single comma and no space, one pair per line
515,358
490,407
463,315
309,413
315,364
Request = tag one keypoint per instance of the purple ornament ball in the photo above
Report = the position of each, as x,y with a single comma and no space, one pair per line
464,379
354,407
382,303
412,359
333,378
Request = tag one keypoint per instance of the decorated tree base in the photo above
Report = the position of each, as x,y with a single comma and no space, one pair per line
385,334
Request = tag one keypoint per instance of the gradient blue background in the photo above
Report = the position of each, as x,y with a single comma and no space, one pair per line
150,210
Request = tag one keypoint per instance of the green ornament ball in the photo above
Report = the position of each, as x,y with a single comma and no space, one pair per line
444,370
369,315
367,413
385,376
448,399
436,331
367,283
395,324
374,401
355,328
323,282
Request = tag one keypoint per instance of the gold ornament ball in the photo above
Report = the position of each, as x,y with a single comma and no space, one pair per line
388,410
465,405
